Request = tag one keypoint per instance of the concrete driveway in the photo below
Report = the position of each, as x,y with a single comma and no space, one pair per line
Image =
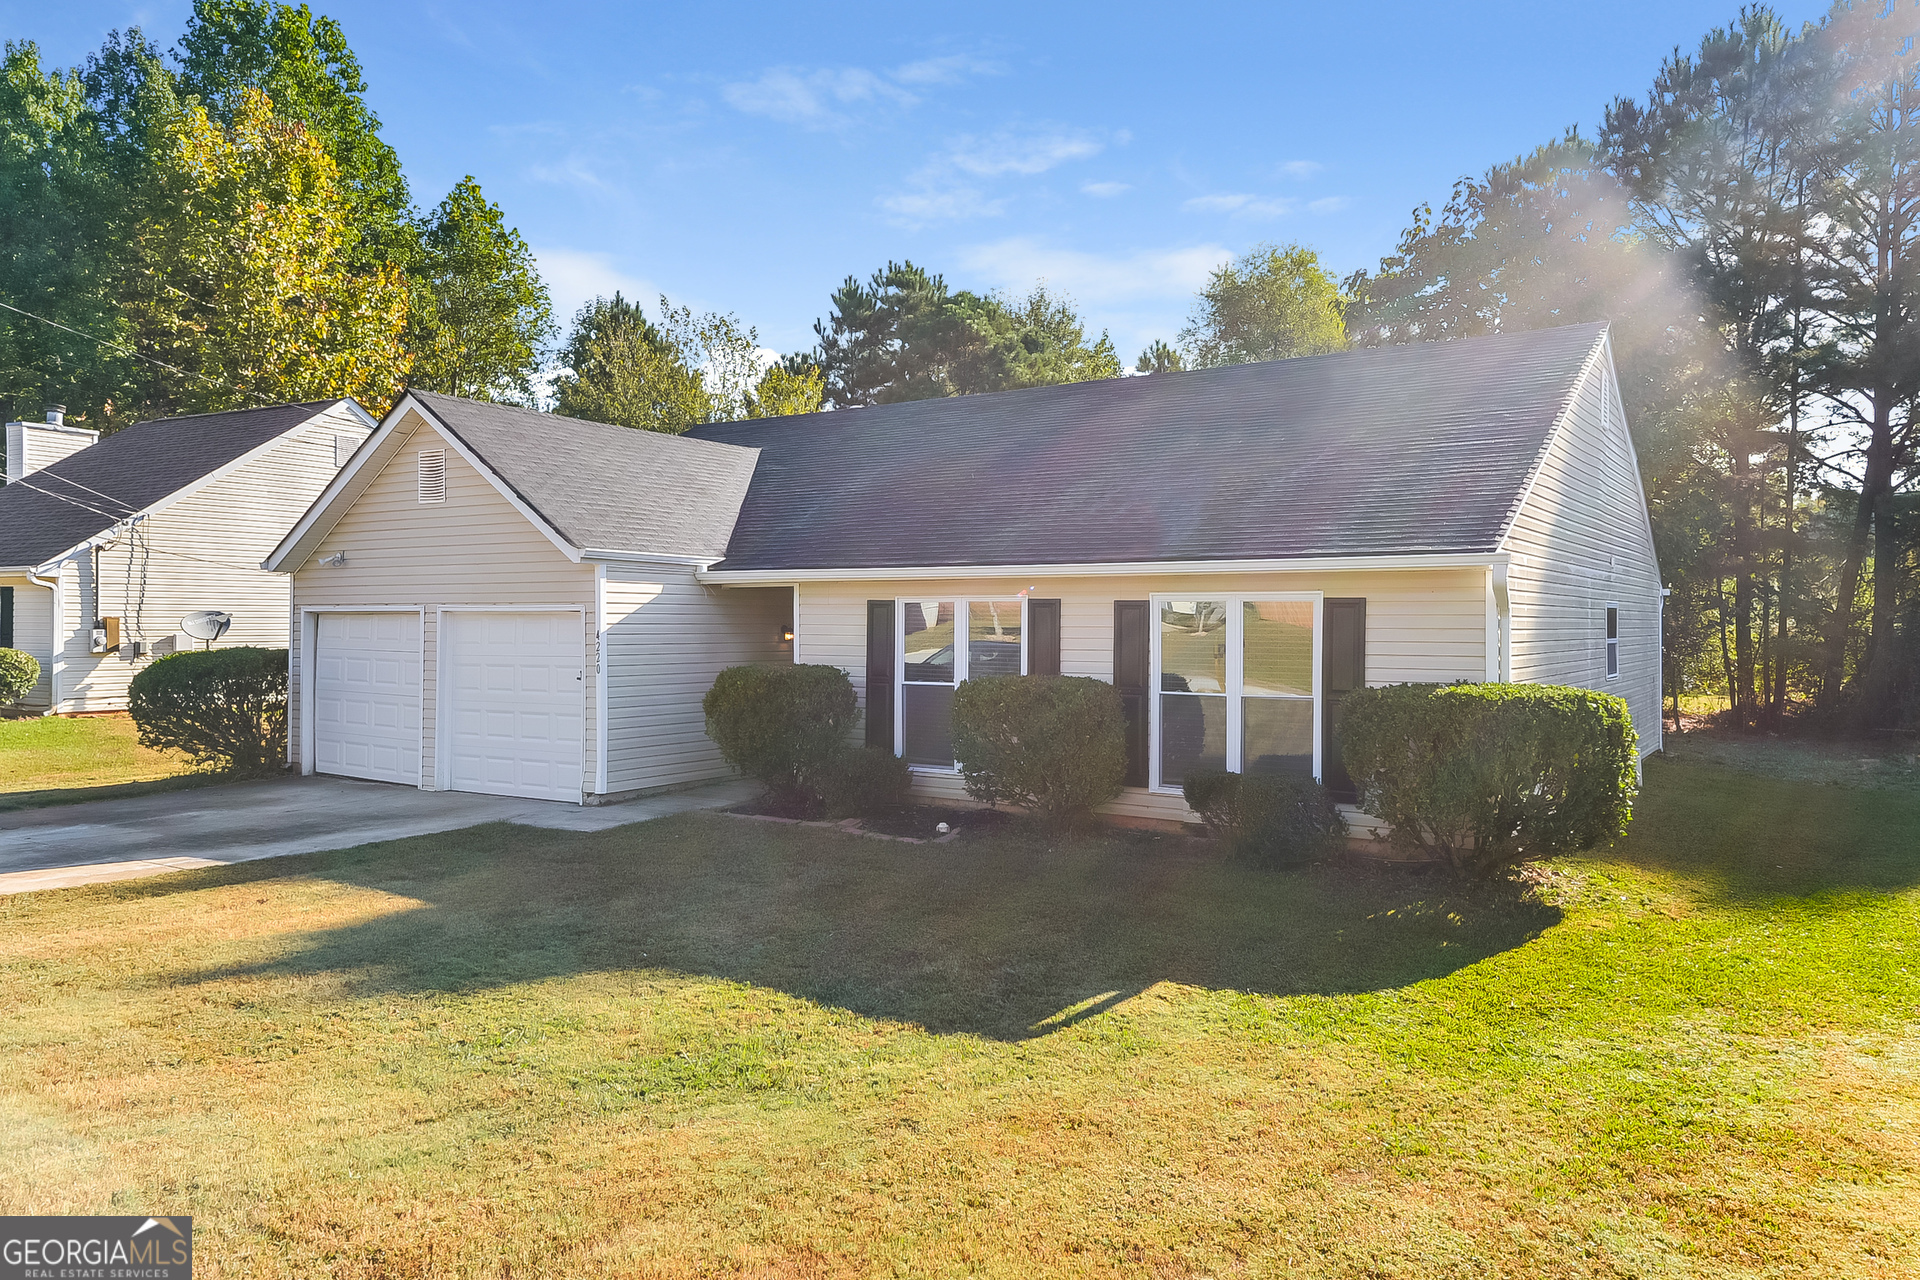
150,835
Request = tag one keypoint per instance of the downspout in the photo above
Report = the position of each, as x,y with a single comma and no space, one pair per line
58,660
601,737
1499,660
1504,609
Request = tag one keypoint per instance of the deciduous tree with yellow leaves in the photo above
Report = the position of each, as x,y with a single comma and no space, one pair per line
242,274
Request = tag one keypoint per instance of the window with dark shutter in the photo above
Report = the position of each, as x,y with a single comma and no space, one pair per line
6,617
1043,637
880,674
1343,669
1130,665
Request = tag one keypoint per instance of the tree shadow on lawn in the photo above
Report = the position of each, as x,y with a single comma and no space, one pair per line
1008,936
1749,836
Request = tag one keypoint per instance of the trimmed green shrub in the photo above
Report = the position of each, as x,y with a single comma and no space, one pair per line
226,708
862,781
1484,777
1055,745
19,672
1277,818
780,725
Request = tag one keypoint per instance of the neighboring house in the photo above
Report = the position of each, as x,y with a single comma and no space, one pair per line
105,545
494,600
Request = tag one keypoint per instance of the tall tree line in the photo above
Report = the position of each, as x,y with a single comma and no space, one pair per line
222,225
1752,227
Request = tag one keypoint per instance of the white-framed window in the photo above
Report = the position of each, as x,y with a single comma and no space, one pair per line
1613,642
939,643
1235,684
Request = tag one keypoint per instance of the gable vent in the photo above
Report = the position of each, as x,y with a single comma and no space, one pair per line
433,475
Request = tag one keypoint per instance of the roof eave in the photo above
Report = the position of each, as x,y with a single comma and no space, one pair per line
1112,569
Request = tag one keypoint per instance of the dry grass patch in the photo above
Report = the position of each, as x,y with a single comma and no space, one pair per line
707,1047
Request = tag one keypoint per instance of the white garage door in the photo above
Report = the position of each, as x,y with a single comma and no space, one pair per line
366,696
517,689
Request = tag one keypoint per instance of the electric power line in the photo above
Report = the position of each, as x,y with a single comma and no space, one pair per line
185,373
49,475
108,516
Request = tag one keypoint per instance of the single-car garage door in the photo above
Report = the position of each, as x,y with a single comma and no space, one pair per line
366,696
516,686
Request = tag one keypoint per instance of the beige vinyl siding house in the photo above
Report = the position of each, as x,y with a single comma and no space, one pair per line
450,635
165,519
667,636
1422,625
498,600
1581,544
469,551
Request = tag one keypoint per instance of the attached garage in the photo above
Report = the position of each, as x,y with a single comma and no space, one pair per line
366,695
515,702
495,600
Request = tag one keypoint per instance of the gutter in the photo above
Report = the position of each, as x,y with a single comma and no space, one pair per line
1318,564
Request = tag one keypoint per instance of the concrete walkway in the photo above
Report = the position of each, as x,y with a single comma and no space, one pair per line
105,840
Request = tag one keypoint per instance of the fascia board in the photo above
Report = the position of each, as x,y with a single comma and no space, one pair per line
501,487
185,491
1599,354
1319,564
222,472
319,519
604,555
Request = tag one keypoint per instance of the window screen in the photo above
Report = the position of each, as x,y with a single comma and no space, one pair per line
1613,641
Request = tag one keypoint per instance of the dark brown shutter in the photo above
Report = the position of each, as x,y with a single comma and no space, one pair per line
880,674
1130,638
1343,669
1043,637
6,617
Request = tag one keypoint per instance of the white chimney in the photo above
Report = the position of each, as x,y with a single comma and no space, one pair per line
33,445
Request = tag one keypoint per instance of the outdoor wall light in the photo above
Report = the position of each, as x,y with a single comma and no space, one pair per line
334,561
786,635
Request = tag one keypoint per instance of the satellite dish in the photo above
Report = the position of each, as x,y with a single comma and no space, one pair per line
207,625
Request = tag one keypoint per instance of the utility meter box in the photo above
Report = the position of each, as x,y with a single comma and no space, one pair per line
106,635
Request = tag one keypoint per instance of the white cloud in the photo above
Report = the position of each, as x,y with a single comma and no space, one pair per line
1028,154
569,171
575,277
1301,169
1093,278
951,69
1105,190
942,190
814,98
1241,205
933,201
1328,204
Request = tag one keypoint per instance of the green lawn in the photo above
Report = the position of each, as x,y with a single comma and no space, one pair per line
59,760
711,1046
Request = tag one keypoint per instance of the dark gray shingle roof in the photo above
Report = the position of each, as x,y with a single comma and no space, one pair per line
1399,450
606,487
61,506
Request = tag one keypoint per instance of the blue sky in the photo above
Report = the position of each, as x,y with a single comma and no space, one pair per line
748,157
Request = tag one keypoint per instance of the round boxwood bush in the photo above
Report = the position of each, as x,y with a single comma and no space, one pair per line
1277,818
1055,745
861,781
781,725
19,672
1483,777
225,708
